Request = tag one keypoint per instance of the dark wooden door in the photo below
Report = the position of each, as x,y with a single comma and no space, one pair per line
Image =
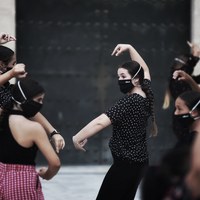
67,46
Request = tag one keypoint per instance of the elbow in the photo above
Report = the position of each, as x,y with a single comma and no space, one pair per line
101,125
55,165
102,121
53,169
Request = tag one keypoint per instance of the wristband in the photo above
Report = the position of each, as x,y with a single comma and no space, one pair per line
53,133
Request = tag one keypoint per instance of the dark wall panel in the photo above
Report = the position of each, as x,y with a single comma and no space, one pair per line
67,46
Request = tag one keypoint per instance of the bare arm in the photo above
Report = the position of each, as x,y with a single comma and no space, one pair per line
41,140
28,133
181,75
92,128
120,48
18,71
57,139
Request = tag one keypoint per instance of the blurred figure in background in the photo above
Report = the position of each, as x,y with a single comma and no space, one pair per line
178,176
184,64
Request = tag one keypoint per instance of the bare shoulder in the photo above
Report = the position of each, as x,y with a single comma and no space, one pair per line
24,125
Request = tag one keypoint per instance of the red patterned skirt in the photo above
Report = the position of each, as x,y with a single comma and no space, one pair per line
19,182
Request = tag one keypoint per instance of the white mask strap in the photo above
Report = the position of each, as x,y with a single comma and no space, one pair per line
16,101
137,72
195,106
179,60
18,83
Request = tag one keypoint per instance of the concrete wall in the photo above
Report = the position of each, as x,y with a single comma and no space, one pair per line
195,12
195,31
7,22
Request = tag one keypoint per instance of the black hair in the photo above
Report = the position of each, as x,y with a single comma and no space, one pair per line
191,98
133,67
25,89
186,63
6,54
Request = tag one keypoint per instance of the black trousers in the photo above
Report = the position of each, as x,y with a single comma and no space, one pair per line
122,180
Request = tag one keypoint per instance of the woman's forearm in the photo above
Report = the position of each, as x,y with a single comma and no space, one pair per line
136,57
44,122
94,127
4,78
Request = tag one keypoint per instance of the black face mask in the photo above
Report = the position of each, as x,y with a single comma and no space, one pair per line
6,70
182,124
31,108
125,85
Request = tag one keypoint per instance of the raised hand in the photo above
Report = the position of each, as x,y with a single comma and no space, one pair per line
120,48
19,71
194,48
5,37
183,76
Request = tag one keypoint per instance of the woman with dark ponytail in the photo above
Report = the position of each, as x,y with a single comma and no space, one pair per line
143,75
9,69
129,118
20,141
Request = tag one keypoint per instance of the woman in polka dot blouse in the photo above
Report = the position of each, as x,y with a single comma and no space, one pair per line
129,118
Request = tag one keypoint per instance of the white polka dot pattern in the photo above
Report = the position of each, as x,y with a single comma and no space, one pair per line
129,117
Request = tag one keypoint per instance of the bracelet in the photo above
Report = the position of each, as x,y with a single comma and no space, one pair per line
53,133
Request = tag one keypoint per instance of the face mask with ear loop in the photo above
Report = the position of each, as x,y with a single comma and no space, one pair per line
180,61
126,85
30,107
183,122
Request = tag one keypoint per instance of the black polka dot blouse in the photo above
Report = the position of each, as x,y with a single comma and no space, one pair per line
129,117
5,96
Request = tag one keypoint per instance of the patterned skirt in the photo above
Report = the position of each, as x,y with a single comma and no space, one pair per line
19,182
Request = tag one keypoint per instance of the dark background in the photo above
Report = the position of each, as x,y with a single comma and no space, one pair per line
67,45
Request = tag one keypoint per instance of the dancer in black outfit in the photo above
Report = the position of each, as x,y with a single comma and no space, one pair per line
129,118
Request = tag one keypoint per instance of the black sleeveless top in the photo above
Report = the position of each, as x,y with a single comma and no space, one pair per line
10,151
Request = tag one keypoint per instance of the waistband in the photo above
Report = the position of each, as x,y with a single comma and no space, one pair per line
118,160
16,167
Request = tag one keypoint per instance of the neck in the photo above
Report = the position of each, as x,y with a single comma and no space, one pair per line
136,89
196,125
